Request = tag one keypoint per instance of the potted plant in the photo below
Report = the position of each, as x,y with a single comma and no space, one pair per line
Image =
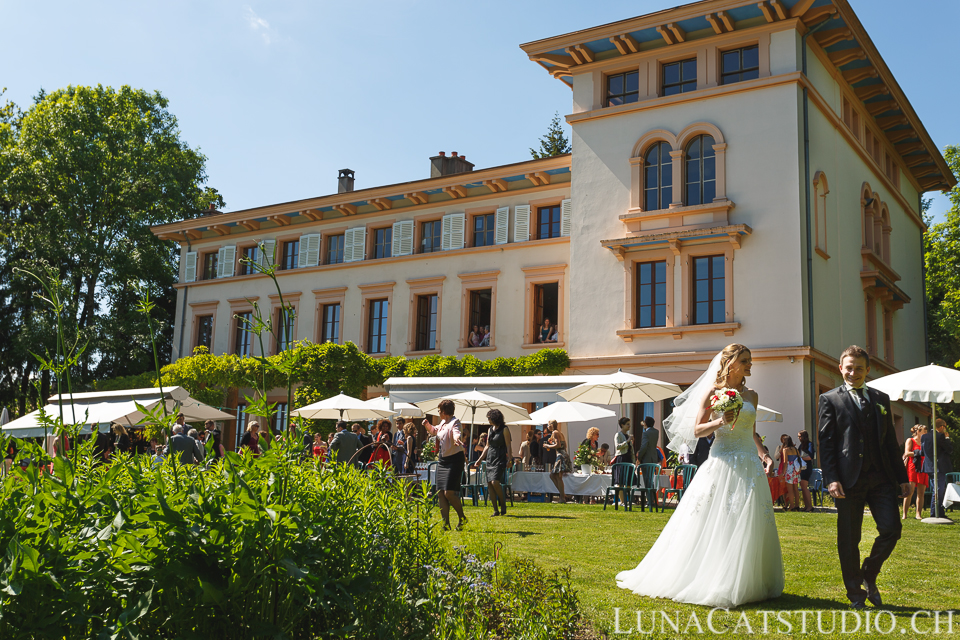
586,458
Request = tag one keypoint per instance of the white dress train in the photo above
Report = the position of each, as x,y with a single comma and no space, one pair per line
720,548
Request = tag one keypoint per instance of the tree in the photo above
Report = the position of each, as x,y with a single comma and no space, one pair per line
84,173
554,143
942,256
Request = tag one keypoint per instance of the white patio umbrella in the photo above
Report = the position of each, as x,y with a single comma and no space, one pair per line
467,403
931,384
404,409
341,407
567,412
621,387
4,416
765,414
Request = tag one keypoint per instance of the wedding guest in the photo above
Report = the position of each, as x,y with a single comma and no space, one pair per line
535,449
451,463
345,444
496,455
944,466
593,435
198,451
318,447
121,442
250,441
623,445
365,440
525,455
913,460
790,463
486,337
604,453
381,444
561,463
399,449
702,452
649,437
410,442
479,446
548,455
182,446
217,438
548,332
807,453
474,339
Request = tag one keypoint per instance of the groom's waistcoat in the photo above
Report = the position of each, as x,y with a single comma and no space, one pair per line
870,437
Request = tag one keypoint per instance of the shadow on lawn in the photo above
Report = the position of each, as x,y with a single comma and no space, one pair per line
801,602
542,517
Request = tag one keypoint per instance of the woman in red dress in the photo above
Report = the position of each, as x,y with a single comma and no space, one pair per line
381,445
918,480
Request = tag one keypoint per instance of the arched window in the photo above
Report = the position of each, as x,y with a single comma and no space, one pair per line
701,171
820,191
658,177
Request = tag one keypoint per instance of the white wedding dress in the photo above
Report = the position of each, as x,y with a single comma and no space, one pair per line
720,548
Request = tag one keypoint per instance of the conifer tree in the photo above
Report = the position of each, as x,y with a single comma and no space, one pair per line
554,143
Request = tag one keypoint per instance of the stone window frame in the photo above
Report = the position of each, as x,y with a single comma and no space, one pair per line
678,144
470,282
292,299
821,189
368,293
241,305
322,298
198,309
544,274
432,285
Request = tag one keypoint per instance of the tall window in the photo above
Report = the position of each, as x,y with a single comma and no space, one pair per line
658,177
709,290
383,242
281,417
740,64
622,88
481,305
210,265
331,323
205,332
430,234
679,77
652,294
427,322
548,222
377,326
701,178
335,249
483,229
241,424
251,256
546,304
285,320
290,255
243,339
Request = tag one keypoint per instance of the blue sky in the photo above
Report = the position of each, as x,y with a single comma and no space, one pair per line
280,95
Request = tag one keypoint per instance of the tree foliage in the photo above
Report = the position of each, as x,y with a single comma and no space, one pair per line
554,142
942,258
84,173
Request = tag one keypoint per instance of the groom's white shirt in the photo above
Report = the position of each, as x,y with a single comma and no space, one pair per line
852,391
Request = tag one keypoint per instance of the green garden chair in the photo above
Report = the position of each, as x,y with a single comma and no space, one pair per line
684,471
507,483
650,472
623,485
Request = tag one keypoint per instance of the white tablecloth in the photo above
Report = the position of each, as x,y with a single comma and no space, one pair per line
951,496
576,484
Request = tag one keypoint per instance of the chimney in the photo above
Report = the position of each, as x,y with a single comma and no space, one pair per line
443,165
345,181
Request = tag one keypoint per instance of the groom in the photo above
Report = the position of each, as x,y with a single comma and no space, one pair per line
861,464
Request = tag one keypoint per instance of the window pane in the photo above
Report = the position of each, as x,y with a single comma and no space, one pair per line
666,196
751,57
693,170
650,201
615,85
750,75
661,319
645,317
731,61
702,290
709,191
645,269
702,313
718,312
661,271
689,70
632,82
693,149
709,168
718,288
706,146
661,293
645,291
650,175
718,266
671,73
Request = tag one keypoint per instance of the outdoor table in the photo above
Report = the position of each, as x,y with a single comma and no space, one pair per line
951,496
575,484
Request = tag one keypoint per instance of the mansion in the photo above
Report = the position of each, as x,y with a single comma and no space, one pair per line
741,172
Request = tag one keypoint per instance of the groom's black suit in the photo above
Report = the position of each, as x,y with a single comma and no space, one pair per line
859,449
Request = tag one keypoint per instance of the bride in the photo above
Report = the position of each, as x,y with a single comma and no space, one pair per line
720,548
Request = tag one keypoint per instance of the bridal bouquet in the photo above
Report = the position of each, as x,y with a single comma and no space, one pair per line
724,400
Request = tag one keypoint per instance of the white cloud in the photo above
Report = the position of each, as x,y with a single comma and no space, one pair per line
259,25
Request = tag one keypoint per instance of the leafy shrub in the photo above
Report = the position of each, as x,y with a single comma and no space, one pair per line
252,547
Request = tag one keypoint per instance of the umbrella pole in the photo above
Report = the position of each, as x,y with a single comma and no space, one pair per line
936,487
621,401
473,417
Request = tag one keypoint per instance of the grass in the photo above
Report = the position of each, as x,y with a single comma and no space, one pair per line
922,574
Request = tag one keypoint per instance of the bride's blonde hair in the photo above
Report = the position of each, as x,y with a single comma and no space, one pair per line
728,356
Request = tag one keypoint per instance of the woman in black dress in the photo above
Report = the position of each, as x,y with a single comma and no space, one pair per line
452,460
497,455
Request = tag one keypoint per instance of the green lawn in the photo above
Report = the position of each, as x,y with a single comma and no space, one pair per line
922,574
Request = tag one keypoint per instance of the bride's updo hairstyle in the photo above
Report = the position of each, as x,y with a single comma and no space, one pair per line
728,356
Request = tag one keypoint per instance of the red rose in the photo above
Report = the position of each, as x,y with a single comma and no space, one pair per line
732,394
